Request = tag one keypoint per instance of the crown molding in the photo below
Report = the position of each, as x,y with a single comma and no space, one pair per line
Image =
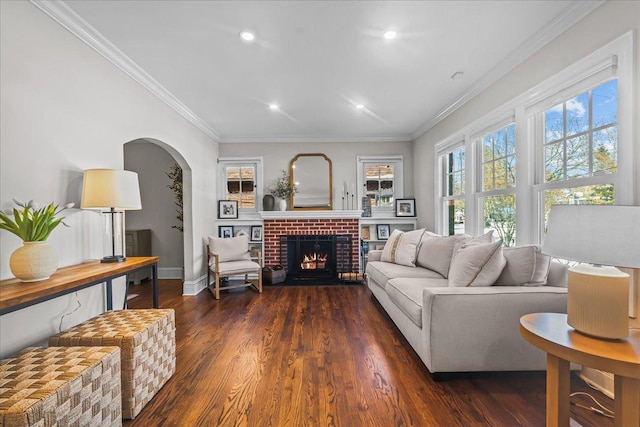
65,16
312,138
553,29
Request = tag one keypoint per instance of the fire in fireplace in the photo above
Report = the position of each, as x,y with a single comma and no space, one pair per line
314,261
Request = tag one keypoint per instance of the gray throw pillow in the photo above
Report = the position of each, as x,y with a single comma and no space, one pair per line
477,264
526,265
435,252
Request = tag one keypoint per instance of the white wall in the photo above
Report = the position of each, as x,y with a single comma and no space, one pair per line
63,109
343,155
159,210
608,22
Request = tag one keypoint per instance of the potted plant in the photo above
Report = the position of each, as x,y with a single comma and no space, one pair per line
35,260
283,188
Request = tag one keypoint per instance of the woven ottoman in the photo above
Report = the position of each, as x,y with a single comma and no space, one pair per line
61,386
147,342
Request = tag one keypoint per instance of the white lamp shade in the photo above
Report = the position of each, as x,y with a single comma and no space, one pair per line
596,234
110,188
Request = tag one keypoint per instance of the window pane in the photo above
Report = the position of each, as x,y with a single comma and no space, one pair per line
500,215
605,104
553,162
455,216
500,143
578,157
487,149
511,139
578,114
605,150
379,184
511,171
602,194
553,124
501,174
487,176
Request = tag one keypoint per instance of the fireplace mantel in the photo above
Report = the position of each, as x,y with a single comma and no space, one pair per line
319,214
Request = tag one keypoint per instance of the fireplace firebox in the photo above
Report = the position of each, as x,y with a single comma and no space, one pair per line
315,257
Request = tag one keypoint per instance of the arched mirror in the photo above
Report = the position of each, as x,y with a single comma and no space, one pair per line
311,174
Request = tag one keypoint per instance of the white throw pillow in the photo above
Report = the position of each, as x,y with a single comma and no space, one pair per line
230,249
463,239
435,252
526,265
402,248
477,264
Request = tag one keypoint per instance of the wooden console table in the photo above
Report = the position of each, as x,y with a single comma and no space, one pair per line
551,333
15,295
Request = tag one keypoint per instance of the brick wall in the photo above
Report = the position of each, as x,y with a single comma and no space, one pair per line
274,228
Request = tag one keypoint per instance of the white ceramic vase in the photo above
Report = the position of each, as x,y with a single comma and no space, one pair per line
33,261
282,204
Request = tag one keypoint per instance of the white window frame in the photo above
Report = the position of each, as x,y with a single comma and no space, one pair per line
615,59
256,162
442,151
398,180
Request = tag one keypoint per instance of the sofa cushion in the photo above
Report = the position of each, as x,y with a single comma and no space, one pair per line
402,247
463,239
526,265
381,272
435,252
477,264
407,295
230,249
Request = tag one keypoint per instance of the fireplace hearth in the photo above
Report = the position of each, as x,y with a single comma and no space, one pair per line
315,257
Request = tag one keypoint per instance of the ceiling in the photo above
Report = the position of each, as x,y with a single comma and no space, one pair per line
317,59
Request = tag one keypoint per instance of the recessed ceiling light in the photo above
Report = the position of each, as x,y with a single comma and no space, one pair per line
247,36
359,106
389,35
457,75
273,106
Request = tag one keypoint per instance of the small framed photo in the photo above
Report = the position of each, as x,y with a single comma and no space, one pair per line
227,209
383,231
405,207
256,233
225,231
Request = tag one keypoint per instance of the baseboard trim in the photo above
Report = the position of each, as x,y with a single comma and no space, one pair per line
601,381
170,273
194,287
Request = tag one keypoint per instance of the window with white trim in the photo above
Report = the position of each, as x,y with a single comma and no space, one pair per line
453,190
580,148
240,180
380,179
497,195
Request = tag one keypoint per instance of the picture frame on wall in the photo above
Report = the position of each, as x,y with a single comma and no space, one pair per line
383,231
227,209
406,207
256,233
225,231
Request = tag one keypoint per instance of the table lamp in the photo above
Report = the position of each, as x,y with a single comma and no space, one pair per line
604,236
112,191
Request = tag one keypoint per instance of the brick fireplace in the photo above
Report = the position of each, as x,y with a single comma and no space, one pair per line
278,224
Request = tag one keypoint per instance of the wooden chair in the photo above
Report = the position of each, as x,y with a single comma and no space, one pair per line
230,268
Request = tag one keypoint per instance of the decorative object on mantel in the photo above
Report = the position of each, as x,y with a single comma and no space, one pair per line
268,202
111,191
282,189
366,207
35,259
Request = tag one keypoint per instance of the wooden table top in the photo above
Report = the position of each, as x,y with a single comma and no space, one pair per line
14,292
551,332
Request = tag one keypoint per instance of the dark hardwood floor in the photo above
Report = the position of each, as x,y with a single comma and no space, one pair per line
322,356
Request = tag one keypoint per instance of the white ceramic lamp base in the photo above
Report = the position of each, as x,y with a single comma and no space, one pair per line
598,301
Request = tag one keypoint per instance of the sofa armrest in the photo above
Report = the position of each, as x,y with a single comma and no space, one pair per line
477,328
374,256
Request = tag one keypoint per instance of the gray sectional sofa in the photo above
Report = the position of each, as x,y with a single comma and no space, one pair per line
466,327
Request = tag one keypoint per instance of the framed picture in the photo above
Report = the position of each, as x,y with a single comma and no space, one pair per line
383,231
256,233
227,209
225,231
405,207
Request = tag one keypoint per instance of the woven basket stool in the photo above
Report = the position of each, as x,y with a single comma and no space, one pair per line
147,341
61,386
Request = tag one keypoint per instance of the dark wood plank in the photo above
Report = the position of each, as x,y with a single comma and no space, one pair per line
322,356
